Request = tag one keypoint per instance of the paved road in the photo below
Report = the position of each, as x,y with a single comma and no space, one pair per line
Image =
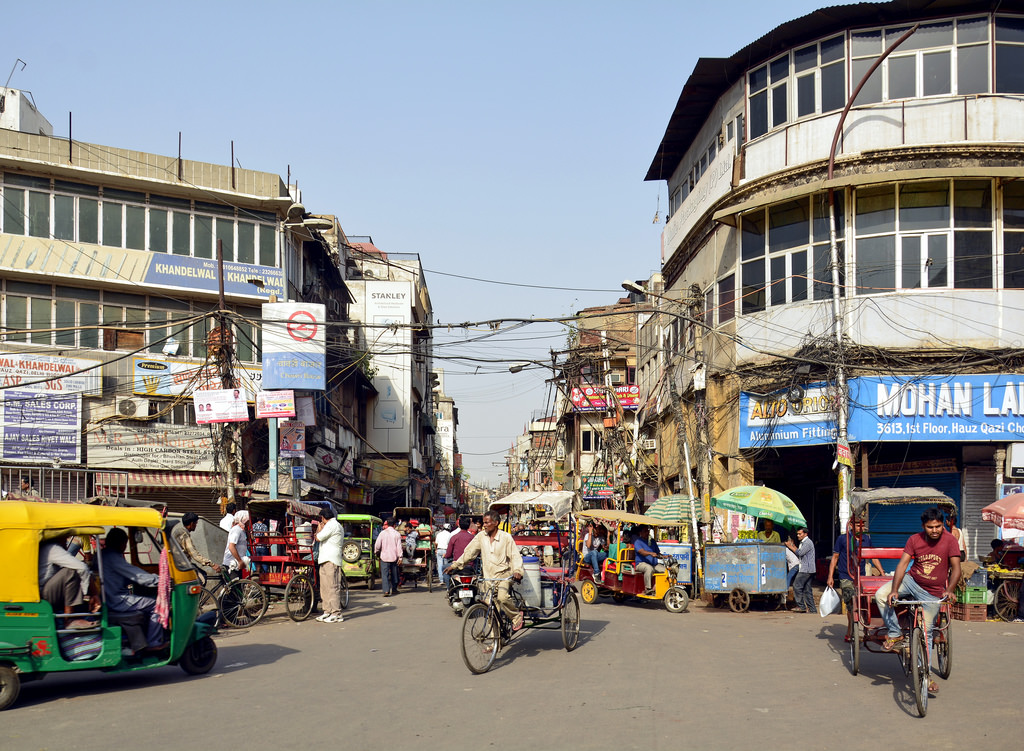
391,676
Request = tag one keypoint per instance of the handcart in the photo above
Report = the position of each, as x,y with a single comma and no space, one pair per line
737,572
422,561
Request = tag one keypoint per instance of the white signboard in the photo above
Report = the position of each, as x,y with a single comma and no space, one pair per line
390,303
181,448
294,354
220,405
49,373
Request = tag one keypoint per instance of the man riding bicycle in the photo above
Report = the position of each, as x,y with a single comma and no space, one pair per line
934,575
500,557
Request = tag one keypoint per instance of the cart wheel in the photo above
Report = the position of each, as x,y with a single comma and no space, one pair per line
858,634
208,604
676,600
588,591
571,621
944,647
919,670
351,552
199,657
1007,598
10,686
298,598
739,601
243,603
344,591
481,638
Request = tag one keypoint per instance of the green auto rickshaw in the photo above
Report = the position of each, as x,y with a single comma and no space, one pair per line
358,560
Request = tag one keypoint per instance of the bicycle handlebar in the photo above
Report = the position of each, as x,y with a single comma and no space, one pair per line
922,602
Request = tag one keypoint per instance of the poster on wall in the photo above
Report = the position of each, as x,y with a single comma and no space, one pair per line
294,355
293,439
180,448
220,405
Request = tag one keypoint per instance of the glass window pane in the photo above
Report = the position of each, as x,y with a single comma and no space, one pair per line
202,247
181,234
14,211
727,299
910,264
972,70
267,239
876,265
244,346
866,43
38,214
1009,69
88,321
226,237
805,58
752,234
78,293
798,276
937,262
1009,29
753,287
65,319
246,242
924,206
788,225
821,219
972,260
971,30
759,114
157,334
937,73
972,203
780,109
16,310
805,95
42,318
88,220
758,79
902,77
779,69
1013,205
113,233
158,230
76,188
64,217
928,35
778,267
876,210
872,91
833,49
1013,260
822,287
112,314
135,227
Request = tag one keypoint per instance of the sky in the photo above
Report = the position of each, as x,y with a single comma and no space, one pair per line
500,141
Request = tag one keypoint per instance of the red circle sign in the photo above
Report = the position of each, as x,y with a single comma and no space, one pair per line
301,326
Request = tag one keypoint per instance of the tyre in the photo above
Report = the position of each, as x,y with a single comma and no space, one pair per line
588,591
480,638
10,686
298,598
208,604
571,621
243,603
676,600
351,552
1007,597
430,571
919,670
199,657
858,633
944,647
369,581
739,601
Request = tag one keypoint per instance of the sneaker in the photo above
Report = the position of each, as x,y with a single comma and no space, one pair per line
323,618
334,619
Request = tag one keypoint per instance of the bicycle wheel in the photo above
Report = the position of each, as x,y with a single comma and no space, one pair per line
298,598
344,591
480,638
919,669
571,621
1007,597
243,603
944,647
858,633
208,604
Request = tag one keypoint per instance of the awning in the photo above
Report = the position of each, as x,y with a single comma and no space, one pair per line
136,480
558,501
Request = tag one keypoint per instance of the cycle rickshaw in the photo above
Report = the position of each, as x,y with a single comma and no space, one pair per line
868,630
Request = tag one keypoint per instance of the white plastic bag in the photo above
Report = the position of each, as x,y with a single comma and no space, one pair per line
828,603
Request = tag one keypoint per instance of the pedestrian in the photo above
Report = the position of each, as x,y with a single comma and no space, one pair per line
388,549
331,536
839,565
229,515
441,541
792,569
460,540
802,583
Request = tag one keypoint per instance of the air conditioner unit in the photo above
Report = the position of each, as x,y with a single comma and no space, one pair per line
133,407
368,274
615,379
1015,460
650,444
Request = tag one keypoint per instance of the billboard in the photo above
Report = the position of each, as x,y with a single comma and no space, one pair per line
220,405
294,346
180,448
390,303
168,376
588,398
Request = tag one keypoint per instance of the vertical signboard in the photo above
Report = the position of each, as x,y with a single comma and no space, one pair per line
293,346
389,304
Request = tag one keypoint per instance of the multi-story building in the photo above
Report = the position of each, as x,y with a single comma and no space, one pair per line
900,333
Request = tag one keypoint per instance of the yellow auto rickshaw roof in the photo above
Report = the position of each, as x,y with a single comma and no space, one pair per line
624,517
23,524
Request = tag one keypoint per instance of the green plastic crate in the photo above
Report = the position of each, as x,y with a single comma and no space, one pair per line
973,596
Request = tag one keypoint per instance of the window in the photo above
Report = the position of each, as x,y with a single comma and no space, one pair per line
590,441
727,299
1009,71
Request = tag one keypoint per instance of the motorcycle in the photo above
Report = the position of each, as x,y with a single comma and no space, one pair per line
462,591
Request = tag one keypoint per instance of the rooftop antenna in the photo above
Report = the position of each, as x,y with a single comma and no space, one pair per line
3,97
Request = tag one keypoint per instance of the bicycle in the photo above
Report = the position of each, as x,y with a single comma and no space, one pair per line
239,602
915,652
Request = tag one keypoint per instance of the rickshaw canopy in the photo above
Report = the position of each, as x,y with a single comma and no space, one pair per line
24,524
558,501
624,517
861,499
295,508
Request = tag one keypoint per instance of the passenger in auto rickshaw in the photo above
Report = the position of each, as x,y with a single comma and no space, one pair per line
135,613
66,582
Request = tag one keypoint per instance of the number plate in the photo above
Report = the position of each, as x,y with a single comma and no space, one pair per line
466,593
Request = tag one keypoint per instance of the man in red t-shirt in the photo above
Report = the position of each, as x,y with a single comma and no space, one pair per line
934,575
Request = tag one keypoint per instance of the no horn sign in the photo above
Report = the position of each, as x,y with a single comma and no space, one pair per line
293,346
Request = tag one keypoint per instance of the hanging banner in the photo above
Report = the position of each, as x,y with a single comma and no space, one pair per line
293,439
275,404
294,346
165,376
220,405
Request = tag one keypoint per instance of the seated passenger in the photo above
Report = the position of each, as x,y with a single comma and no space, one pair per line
64,582
133,612
647,558
594,544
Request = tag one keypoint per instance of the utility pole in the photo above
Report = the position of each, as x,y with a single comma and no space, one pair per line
222,340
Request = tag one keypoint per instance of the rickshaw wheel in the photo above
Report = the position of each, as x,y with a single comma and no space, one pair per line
676,600
344,591
10,686
481,638
243,603
919,670
1007,597
430,571
944,648
588,591
571,621
369,581
208,604
298,598
858,634
199,657
351,553
739,601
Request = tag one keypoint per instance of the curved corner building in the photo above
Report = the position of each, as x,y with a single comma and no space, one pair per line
924,324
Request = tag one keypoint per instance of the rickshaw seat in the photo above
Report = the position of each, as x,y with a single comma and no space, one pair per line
871,584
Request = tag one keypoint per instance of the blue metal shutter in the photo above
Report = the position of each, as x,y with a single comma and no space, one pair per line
890,526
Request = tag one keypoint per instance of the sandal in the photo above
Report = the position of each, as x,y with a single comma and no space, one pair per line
847,638
892,643
933,687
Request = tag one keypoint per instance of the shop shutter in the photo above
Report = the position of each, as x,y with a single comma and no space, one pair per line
890,526
979,491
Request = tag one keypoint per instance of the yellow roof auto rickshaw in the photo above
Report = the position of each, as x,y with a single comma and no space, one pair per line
34,640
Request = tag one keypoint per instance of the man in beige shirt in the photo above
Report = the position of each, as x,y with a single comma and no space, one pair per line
500,558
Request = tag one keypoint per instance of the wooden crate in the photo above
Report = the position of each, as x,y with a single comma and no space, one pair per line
972,613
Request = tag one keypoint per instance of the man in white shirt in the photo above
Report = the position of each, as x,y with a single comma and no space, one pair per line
441,541
331,536
236,552
228,519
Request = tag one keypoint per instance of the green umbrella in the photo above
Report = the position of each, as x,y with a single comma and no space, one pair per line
670,508
757,500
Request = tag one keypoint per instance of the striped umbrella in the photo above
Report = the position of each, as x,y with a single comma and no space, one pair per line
670,508
762,502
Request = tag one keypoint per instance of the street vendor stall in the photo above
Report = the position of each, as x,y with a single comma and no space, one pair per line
1005,575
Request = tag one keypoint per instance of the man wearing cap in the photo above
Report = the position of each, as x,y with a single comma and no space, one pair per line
331,536
182,534
441,541
388,549
500,558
